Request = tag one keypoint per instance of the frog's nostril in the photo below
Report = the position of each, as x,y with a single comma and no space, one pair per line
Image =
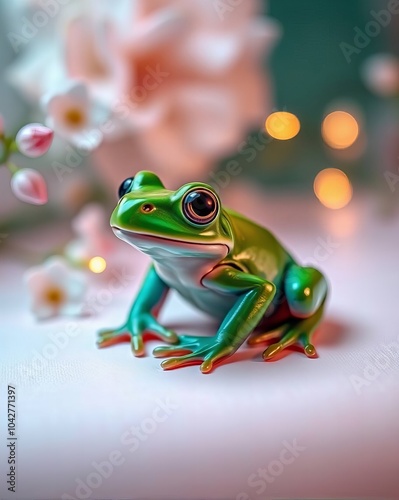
147,208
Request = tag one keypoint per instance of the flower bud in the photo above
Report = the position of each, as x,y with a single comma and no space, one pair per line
29,186
34,140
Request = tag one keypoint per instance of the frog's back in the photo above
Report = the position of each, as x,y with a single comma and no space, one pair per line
255,249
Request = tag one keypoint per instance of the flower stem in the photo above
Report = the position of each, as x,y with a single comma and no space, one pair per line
13,148
9,147
12,167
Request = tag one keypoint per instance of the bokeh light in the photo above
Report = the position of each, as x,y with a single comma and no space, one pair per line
340,129
333,188
97,265
282,125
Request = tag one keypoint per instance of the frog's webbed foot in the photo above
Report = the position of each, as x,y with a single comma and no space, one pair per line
193,350
291,335
297,332
134,330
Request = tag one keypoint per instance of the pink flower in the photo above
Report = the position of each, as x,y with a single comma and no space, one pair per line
197,76
34,140
29,186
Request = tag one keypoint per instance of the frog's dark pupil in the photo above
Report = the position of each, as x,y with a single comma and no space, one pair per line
202,204
125,186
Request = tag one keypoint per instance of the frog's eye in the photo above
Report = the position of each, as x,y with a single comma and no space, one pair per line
125,186
200,206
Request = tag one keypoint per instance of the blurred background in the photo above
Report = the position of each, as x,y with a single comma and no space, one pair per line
274,94
290,109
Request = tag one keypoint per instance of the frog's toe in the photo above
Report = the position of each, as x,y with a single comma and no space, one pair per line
214,356
308,348
208,364
292,337
179,362
201,350
137,345
289,337
167,351
260,338
272,350
108,336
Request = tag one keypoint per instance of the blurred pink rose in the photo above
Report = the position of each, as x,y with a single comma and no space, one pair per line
184,81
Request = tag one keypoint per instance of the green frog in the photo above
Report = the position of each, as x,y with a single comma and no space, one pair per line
220,262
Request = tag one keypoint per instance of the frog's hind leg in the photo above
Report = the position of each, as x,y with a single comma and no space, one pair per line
297,332
306,291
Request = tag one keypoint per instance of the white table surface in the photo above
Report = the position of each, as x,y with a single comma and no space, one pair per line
220,430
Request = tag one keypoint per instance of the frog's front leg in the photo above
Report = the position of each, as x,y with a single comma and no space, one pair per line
142,317
306,290
254,295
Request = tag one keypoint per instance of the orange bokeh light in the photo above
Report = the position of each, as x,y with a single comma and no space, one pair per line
97,265
340,129
282,125
333,188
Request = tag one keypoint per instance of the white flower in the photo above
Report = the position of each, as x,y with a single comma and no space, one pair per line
72,114
34,140
56,289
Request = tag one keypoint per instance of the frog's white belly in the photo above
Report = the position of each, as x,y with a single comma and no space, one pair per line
182,265
184,275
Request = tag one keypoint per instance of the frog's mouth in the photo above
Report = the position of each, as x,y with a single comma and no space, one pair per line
162,247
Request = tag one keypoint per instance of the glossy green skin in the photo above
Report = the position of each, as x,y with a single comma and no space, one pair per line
232,269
